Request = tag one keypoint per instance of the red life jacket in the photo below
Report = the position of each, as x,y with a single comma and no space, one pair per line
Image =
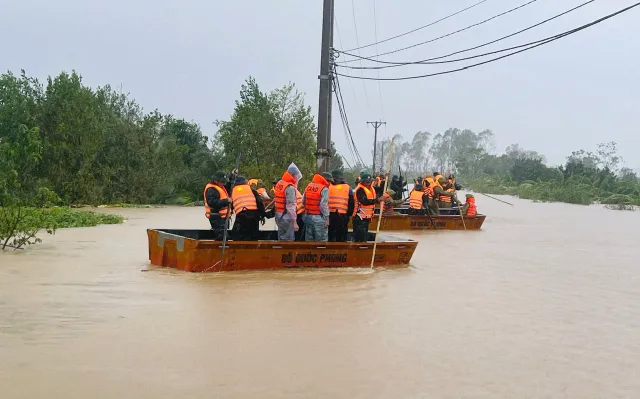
279,189
472,210
313,194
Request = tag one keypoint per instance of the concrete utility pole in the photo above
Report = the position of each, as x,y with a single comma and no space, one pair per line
375,125
323,153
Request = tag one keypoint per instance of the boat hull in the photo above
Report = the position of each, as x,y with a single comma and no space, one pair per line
195,251
401,222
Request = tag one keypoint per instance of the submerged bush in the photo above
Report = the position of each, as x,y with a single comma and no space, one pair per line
19,226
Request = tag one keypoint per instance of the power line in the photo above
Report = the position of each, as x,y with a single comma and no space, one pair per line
456,59
344,127
343,114
467,49
554,38
353,92
355,27
417,29
452,33
375,37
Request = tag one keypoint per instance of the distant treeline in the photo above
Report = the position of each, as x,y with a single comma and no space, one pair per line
584,178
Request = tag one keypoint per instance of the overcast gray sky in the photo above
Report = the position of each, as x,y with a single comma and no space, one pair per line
190,57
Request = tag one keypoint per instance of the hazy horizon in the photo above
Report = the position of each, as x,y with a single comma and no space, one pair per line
190,58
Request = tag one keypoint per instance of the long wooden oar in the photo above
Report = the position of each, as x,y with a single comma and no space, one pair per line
226,221
497,199
460,210
386,183
430,218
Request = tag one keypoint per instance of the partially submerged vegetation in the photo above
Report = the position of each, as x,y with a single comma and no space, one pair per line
585,178
20,226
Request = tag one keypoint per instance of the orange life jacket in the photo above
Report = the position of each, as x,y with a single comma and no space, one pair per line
223,195
243,199
429,192
365,211
279,189
429,180
415,199
472,210
388,208
446,198
339,198
299,204
435,184
313,194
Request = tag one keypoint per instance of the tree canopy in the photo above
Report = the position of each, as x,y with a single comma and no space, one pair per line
94,145
270,130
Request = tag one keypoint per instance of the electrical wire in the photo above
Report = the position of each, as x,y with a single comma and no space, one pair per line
344,128
375,36
557,37
353,92
451,33
417,29
426,62
344,124
467,49
355,28
343,114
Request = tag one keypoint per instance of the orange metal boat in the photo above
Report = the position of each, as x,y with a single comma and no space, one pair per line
196,251
424,222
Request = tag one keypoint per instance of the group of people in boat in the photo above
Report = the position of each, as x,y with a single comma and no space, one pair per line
321,212
435,192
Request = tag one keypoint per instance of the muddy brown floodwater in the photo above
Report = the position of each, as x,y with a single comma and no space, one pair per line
544,302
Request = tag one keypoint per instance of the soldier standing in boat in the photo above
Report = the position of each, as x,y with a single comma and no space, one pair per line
390,203
432,206
272,191
316,207
443,192
217,201
341,205
469,208
262,191
365,202
418,200
299,235
286,204
249,210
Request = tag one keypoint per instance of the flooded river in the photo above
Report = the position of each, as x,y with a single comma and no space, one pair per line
544,302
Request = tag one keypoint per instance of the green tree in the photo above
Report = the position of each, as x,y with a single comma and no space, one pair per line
271,130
